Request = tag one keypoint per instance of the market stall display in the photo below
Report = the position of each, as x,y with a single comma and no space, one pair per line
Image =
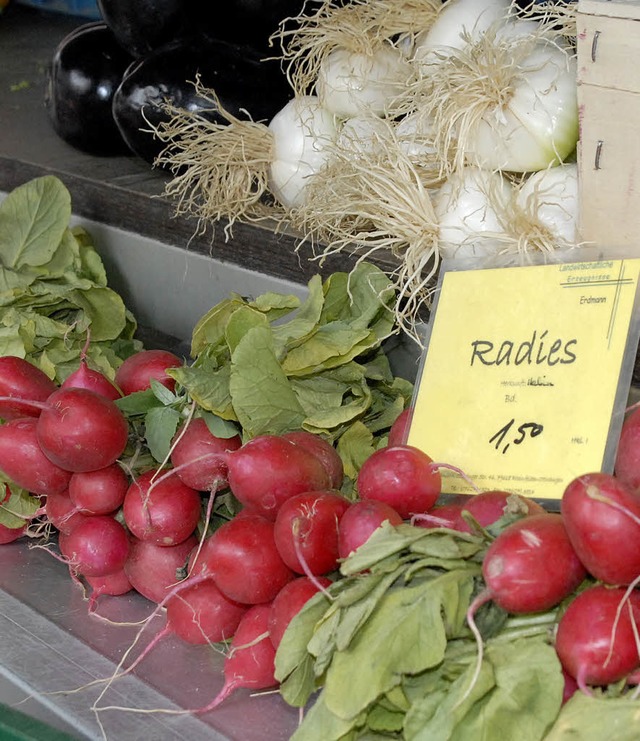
413,623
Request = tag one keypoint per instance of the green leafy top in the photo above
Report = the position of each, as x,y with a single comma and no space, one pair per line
53,286
388,648
274,364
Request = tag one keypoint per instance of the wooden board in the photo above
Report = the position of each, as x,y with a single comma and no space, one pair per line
611,8
608,49
610,168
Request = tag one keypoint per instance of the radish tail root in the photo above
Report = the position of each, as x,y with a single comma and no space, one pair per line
459,471
594,493
484,597
305,566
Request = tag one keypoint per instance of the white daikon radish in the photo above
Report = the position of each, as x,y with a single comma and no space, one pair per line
376,200
472,211
220,168
225,170
459,23
548,208
506,102
416,135
537,124
351,43
365,132
349,83
302,132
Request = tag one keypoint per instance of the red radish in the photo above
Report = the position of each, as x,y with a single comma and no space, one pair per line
136,371
244,561
21,379
114,585
289,601
486,508
269,469
250,663
200,613
99,545
153,570
531,566
93,380
360,521
399,431
22,459
80,430
600,511
444,515
306,531
99,492
324,451
596,639
165,512
62,513
402,476
11,534
627,465
191,456
489,506
570,686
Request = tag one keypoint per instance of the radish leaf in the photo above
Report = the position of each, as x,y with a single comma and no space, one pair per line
33,219
161,424
261,394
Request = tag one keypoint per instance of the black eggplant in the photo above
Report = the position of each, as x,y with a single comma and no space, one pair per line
243,82
144,25
87,67
248,22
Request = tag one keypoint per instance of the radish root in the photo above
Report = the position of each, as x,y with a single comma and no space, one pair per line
303,562
484,597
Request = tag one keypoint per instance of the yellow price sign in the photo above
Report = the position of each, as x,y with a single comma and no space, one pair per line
523,376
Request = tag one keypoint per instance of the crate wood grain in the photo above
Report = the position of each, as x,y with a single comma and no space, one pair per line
608,51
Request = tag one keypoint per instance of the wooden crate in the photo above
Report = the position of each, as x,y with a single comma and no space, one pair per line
608,47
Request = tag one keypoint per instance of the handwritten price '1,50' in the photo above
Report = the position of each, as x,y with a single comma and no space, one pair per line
503,437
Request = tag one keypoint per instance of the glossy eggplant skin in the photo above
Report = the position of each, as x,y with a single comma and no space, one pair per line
247,22
242,81
81,80
140,26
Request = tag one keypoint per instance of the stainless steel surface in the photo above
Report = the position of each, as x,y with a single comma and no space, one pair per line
51,647
169,287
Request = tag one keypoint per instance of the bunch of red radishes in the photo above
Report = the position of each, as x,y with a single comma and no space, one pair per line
585,561
121,528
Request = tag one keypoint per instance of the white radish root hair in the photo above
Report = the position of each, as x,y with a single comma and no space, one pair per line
220,170
531,231
360,27
467,86
376,200
556,19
